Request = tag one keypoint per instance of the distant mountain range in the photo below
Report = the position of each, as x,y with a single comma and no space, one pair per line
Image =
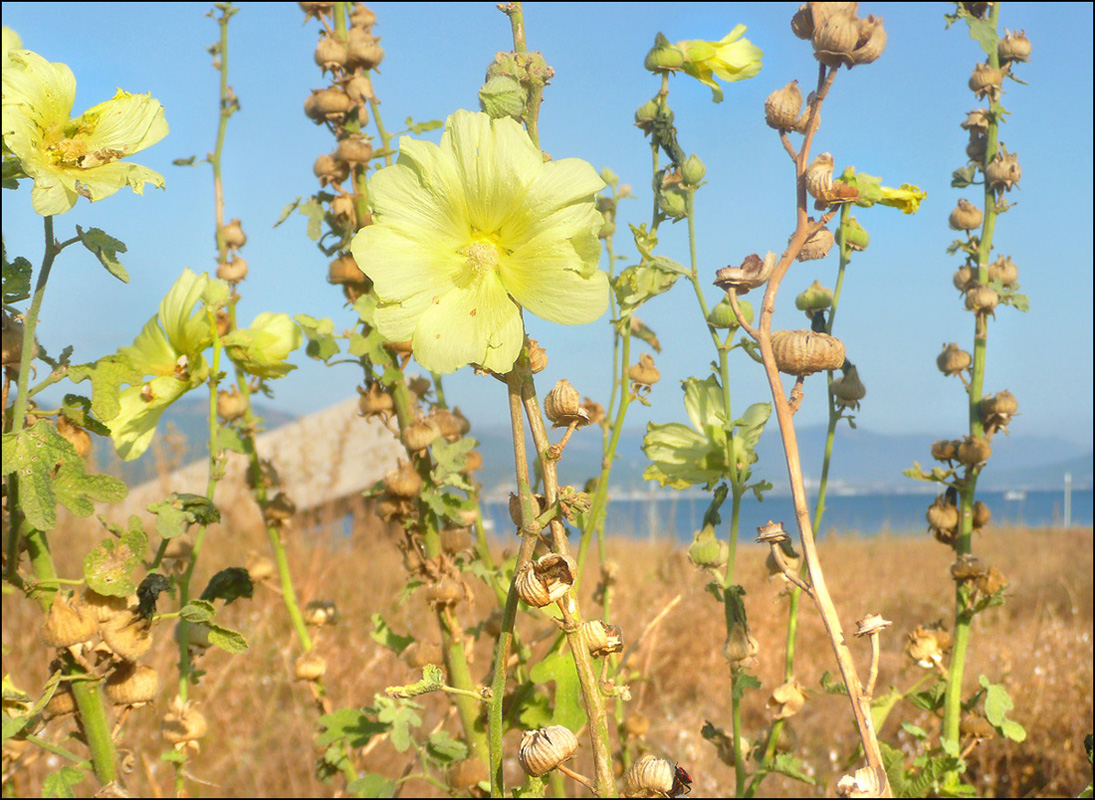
863,461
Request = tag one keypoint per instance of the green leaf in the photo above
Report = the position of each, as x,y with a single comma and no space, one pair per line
442,747
402,715
830,685
930,699
370,785
450,457
997,705
750,426
229,584
914,730
76,489
315,214
16,279
179,510
351,725
1020,302
227,639
558,668
77,409
882,705
63,783
108,569
286,211
198,611
105,248
230,439
745,682
787,764
320,334
984,33
107,375
432,681
963,177
422,127
184,162
383,635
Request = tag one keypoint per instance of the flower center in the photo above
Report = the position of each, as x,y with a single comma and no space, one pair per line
480,258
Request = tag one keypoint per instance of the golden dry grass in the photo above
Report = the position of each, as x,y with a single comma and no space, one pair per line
261,722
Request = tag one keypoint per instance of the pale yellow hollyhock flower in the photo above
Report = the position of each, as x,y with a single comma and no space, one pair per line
262,349
468,233
731,59
69,158
907,198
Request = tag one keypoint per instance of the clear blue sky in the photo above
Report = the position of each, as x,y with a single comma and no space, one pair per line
897,118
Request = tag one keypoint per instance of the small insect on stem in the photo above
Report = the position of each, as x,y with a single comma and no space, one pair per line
682,782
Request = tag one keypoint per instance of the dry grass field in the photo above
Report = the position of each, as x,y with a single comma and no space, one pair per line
261,722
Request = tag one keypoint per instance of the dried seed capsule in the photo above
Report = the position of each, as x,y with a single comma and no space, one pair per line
1014,46
331,52
183,724
942,515
451,424
418,654
365,51
403,481
67,623
1004,270
848,389
963,277
953,360
835,39
802,23
601,639
445,593
787,699
231,405
420,434
985,80
128,634
981,515
463,776
362,17
644,373
61,704
311,666
966,217
650,777
871,41
355,149
233,236
375,402
982,299
544,749
537,357
320,613
945,450
132,684
806,352
817,246
974,450
546,580
563,406
782,107
819,176
344,269
331,170
977,121
233,270
1003,172
927,644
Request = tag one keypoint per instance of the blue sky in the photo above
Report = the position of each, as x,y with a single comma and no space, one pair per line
897,118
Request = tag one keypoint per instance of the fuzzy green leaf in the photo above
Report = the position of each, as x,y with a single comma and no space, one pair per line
432,681
198,611
77,409
984,33
320,334
422,127
227,639
76,489
371,785
442,747
351,725
288,209
559,669
63,783
315,214
383,635
997,705
787,764
402,715
105,248
107,375
108,569
179,510
16,279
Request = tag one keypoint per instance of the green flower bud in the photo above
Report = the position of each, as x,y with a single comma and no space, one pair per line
722,315
707,551
692,171
854,234
645,115
502,96
814,298
663,56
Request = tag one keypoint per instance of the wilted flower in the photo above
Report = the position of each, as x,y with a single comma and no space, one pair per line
731,59
68,158
467,233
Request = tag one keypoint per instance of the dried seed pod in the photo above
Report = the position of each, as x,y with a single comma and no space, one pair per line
804,120
233,270
644,373
320,613
806,352
968,568
403,481
128,634
782,107
835,38
331,103
310,666
986,81
132,684
260,568
871,41
563,406
594,409
362,17
74,435
865,782
802,23
772,533
279,510
455,540
927,644
945,450
942,515
546,580
183,724
418,654
451,424
817,246
231,405
977,121
331,53
360,89
331,170
355,149
781,560
473,461
963,277
871,625
232,235
982,299
819,176
650,777
544,749
365,51
1003,172
953,360
61,704
375,402
445,593
981,515
974,450
67,623
997,411
848,389
636,725
966,217
1015,46
344,269
787,699
977,147
752,273
537,356
601,639
420,434
1004,270
103,607
739,645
